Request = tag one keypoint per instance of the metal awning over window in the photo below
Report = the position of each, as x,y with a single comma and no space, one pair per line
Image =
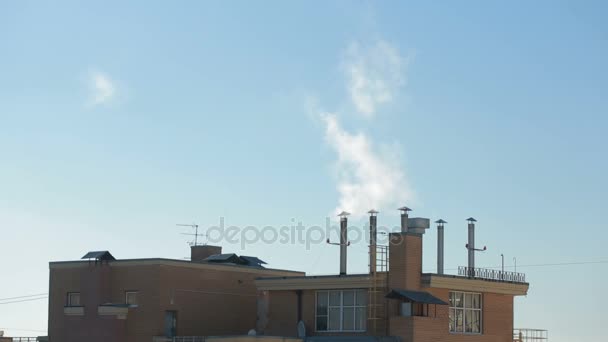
415,297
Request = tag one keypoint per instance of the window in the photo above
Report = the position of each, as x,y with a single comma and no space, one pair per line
73,299
131,298
341,310
465,313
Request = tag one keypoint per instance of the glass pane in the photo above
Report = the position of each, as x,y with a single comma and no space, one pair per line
321,298
348,298
322,303
334,298
476,301
334,319
321,323
452,319
360,318
361,297
452,299
468,319
458,299
348,319
468,300
476,321
74,299
459,321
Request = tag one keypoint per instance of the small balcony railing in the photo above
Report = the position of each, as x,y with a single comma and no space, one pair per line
491,274
530,335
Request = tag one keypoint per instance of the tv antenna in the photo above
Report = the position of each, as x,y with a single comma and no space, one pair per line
195,234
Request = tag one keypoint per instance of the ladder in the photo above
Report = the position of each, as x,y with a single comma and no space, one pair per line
378,289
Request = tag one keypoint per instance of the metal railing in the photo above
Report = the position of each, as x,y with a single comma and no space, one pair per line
530,335
490,274
188,339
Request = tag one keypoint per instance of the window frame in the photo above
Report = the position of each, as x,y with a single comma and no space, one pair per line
127,293
341,308
69,299
464,309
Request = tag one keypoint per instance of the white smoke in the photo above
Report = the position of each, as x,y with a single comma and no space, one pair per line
368,176
375,73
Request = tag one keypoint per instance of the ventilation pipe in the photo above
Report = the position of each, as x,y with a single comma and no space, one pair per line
343,241
471,246
440,223
373,234
404,218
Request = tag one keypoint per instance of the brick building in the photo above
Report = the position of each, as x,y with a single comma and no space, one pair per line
103,299
395,299
214,294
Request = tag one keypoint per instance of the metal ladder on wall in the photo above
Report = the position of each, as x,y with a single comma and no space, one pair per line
378,288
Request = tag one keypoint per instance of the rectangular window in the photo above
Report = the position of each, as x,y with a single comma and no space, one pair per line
341,310
131,298
465,313
73,299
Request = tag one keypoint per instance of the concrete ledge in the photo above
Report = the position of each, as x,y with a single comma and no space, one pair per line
113,310
73,310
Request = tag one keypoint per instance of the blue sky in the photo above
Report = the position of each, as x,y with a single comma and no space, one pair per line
118,121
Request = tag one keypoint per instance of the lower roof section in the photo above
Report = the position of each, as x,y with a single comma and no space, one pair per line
452,282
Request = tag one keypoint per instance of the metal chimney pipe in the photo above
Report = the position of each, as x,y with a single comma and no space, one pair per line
404,218
373,235
440,223
343,241
471,244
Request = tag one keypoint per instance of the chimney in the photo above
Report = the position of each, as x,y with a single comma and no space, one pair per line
440,223
198,253
405,253
343,241
404,218
373,234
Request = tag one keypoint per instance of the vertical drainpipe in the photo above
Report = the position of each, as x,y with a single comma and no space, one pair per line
471,245
440,223
343,241
404,218
373,234
299,293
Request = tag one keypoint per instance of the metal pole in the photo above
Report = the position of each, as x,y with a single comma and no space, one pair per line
515,261
502,273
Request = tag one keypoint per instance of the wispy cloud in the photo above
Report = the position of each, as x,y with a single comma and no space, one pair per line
102,88
368,176
375,73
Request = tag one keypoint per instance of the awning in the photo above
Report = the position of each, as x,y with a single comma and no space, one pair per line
415,296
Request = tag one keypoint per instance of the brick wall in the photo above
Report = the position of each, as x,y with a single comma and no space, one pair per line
405,261
217,301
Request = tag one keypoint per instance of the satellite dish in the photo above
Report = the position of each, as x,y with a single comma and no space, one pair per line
252,332
301,329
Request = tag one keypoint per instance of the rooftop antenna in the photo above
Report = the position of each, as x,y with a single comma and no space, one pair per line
196,233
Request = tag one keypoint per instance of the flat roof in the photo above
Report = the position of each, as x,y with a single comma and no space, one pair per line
175,263
316,282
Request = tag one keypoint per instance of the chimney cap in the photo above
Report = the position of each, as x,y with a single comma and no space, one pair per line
343,214
405,209
373,212
470,219
441,221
